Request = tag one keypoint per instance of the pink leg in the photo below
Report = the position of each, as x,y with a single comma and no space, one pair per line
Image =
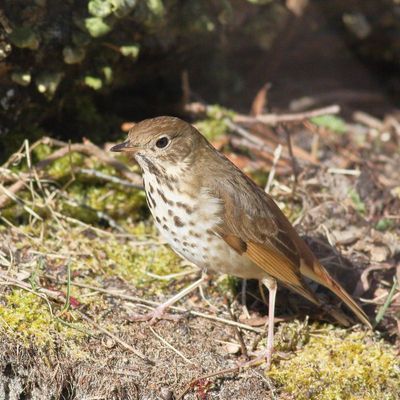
159,312
271,285
272,289
244,305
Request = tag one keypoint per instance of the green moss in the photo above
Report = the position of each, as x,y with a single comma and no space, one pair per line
27,317
140,266
41,152
337,364
358,204
211,128
227,284
331,122
260,177
384,224
63,166
215,124
105,257
116,201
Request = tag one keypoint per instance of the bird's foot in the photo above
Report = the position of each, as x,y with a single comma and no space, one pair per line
261,357
153,316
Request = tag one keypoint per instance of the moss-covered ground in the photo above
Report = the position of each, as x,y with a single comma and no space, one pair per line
79,257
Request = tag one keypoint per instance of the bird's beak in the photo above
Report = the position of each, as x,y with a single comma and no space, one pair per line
124,147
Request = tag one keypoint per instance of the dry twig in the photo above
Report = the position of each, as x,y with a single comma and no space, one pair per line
274,119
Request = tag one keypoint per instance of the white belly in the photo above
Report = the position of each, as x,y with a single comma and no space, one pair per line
187,224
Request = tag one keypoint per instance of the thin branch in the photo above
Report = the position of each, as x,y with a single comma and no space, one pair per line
238,334
295,165
108,178
274,119
271,175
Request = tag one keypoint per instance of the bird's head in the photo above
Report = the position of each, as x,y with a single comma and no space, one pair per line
162,142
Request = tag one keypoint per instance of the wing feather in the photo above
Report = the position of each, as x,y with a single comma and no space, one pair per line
253,225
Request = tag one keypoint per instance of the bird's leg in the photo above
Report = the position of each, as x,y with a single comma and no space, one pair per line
272,289
261,289
158,313
243,294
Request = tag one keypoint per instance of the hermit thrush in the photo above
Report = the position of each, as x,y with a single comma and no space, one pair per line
213,215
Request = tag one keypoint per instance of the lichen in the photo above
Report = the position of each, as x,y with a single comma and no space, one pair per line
337,364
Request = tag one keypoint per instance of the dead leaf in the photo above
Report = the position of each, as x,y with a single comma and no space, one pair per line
253,321
127,125
260,101
297,7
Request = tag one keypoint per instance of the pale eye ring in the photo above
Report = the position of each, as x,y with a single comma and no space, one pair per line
162,142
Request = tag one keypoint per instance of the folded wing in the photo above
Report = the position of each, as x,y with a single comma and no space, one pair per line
253,225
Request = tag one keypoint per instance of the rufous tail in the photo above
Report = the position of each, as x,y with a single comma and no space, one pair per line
320,275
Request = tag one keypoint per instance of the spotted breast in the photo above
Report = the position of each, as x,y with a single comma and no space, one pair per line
187,223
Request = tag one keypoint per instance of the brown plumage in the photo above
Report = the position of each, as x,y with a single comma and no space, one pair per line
232,223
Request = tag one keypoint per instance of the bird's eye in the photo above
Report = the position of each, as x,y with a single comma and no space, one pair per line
162,142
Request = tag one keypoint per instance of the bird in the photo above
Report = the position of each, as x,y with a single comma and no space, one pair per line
216,217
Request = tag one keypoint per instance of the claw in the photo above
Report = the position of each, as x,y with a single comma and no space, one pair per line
260,358
153,316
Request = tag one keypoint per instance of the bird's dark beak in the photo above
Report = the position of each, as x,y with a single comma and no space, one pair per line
123,147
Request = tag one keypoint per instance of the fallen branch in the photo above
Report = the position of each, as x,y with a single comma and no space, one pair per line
254,142
368,120
108,178
269,119
274,119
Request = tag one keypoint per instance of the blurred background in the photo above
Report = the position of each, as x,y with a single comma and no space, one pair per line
81,68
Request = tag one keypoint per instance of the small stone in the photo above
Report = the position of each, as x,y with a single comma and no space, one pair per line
109,343
166,394
232,348
379,253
